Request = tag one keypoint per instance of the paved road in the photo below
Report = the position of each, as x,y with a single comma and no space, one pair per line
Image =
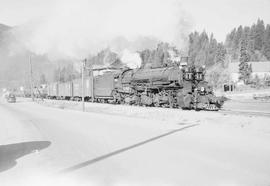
48,146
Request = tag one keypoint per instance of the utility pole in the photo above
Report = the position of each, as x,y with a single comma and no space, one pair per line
31,77
83,84
83,87
92,82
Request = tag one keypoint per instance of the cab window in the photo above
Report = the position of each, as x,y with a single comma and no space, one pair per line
188,76
199,76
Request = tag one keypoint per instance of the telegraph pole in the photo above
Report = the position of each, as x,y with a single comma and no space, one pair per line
92,82
83,87
31,77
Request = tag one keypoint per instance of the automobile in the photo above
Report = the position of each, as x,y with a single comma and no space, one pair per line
11,98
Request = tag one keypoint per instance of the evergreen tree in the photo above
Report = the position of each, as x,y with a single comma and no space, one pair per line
62,75
71,73
251,50
236,42
256,80
160,55
229,41
212,51
266,43
220,55
256,38
244,69
259,35
42,79
204,50
250,70
145,56
193,46
56,75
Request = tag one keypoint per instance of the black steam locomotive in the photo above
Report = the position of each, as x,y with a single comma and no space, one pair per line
172,87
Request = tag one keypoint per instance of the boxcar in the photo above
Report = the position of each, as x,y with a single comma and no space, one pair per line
88,87
53,90
77,88
65,90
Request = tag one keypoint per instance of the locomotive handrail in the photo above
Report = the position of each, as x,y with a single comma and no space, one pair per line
106,68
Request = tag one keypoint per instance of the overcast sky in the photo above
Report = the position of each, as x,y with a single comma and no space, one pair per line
217,16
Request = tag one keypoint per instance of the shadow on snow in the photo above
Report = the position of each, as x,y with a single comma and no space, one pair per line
103,157
11,152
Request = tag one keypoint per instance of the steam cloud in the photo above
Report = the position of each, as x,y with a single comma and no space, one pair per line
132,60
76,28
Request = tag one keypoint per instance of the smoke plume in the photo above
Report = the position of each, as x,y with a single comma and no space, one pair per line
76,28
132,60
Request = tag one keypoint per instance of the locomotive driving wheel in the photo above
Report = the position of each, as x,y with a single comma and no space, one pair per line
116,97
156,104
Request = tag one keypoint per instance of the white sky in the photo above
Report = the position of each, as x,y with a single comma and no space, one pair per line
217,16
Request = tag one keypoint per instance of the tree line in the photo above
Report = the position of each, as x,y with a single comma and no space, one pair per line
244,44
205,50
255,38
63,74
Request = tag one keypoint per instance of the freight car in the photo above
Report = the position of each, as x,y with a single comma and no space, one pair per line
52,90
172,87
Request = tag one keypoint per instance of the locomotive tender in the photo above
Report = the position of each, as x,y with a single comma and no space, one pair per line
173,87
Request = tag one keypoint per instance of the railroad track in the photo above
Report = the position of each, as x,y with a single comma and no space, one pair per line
236,112
244,112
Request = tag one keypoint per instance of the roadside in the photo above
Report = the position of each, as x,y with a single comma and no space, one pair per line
125,145
234,121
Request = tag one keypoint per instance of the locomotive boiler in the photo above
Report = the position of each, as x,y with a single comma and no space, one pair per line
172,87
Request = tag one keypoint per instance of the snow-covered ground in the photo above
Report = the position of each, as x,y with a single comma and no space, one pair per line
245,94
126,145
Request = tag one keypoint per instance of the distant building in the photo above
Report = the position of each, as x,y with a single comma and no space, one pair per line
261,69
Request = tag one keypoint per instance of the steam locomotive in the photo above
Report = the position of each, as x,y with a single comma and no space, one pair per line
172,87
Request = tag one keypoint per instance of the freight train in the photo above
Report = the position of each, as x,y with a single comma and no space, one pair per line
172,87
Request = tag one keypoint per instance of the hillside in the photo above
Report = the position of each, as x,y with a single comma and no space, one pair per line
3,30
4,27
14,61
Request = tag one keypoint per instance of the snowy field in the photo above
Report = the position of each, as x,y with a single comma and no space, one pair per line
126,145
